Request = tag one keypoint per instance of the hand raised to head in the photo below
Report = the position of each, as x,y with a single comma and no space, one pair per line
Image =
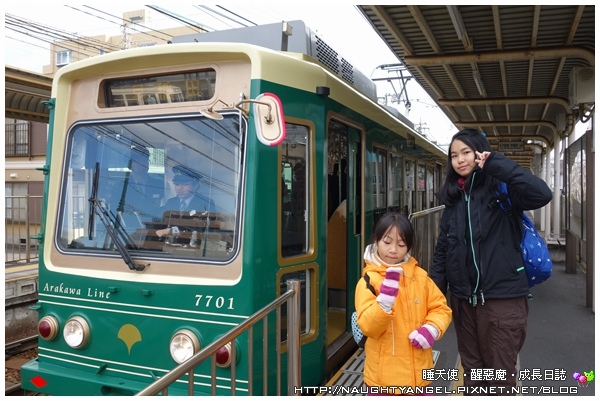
481,157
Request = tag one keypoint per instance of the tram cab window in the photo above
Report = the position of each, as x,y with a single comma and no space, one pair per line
102,185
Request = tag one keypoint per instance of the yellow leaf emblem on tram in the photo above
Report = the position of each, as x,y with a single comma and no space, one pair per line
130,335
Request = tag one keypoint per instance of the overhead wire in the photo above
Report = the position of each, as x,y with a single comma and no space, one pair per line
237,15
191,24
134,26
215,14
52,32
51,35
39,31
44,38
27,43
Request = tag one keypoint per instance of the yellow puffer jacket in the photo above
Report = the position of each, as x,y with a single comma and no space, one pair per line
390,358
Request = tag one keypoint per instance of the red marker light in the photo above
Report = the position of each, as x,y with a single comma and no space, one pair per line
44,329
223,356
48,328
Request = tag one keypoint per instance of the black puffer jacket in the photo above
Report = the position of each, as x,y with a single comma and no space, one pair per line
477,251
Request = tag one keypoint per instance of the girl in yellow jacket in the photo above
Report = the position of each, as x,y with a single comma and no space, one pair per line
408,314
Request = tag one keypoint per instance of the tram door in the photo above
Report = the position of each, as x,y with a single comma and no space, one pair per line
343,230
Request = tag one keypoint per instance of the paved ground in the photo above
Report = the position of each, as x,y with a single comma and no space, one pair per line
560,337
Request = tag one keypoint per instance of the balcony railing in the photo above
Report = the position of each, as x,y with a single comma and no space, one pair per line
21,222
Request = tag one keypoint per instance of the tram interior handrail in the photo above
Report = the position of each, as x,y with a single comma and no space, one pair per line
292,297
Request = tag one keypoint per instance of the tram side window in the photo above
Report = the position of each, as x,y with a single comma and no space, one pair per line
430,193
421,194
307,285
395,189
437,178
294,199
409,193
379,171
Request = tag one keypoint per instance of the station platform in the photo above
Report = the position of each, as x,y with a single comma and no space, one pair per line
20,292
560,337
20,281
560,343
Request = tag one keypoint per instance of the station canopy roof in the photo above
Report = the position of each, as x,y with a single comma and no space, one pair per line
505,69
24,94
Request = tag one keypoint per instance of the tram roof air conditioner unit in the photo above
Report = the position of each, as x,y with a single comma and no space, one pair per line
581,86
303,40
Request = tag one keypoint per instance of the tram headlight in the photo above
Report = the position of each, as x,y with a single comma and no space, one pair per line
184,344
48,328
76,332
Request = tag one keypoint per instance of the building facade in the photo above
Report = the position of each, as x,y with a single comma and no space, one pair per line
26,127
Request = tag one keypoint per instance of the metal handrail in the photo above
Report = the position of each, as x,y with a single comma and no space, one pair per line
426,226
292,296
425,212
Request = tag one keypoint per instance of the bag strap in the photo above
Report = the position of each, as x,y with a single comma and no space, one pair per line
369,285
506,206
505,203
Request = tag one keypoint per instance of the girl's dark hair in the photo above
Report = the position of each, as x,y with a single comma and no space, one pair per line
402,224
450,192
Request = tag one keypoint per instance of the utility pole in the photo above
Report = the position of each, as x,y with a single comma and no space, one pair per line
129,20
126,38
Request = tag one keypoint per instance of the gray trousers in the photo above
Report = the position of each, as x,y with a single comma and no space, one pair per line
489,338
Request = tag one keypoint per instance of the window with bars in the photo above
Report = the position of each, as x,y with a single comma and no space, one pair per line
16,139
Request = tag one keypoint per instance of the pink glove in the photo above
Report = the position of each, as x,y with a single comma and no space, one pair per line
423,337
389,288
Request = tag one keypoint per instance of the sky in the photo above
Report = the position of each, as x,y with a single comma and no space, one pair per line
340,26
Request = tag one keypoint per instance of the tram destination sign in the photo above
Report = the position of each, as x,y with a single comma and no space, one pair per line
512,146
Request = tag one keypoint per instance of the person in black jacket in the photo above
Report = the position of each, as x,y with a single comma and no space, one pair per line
478,257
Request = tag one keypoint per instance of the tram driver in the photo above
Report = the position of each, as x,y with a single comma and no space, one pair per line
187,202
187,199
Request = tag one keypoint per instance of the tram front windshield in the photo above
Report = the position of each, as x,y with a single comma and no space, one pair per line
164,188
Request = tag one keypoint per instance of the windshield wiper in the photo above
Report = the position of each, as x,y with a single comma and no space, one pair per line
93,197
98,208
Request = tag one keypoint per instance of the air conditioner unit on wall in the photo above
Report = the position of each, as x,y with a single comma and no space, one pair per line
581,86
